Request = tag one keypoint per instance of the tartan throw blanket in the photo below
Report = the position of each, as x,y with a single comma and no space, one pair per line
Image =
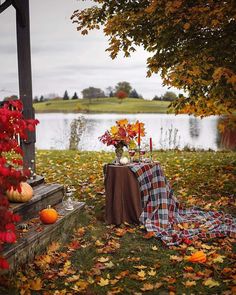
163,214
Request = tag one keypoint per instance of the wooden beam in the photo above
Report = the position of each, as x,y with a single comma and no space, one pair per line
5,5
25,79
20,12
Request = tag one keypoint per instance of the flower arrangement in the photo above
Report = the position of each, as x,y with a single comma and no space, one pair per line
123,134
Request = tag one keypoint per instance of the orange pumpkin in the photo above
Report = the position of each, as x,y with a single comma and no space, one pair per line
25,195
48,215
197,257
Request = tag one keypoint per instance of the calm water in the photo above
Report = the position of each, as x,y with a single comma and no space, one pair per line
167,131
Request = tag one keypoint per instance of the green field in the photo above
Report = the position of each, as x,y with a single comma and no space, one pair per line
107,260
103,105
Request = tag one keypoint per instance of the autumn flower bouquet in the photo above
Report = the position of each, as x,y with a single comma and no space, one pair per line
123,134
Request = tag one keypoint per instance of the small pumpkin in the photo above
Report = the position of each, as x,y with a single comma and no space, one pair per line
48,215
25,195
197,257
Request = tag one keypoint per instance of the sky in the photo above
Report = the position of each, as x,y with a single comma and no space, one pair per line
62,59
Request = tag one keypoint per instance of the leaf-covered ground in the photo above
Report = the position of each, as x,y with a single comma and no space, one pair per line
101,259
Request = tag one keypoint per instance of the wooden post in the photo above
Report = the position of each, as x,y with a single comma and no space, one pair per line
25,78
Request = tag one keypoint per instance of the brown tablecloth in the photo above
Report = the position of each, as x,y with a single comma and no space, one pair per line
123,197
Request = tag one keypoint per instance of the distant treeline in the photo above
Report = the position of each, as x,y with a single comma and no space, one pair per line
122,90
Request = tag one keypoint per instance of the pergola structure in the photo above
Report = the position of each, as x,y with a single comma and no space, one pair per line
24,72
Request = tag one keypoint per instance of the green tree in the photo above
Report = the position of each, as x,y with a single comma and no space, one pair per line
75,96
110,91
156,97
41,98
123,86
66,96
134,94
92,92
190,43
36,99
169,96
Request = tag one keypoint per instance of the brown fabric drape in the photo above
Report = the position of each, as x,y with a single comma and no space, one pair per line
123,198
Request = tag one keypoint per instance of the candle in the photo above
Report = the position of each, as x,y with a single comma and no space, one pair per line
150,144
139,134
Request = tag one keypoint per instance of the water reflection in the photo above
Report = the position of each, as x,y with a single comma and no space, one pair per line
167,131
194,127
226,138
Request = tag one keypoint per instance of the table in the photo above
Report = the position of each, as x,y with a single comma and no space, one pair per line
123,197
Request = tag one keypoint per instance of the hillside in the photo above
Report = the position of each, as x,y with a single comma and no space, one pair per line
103,105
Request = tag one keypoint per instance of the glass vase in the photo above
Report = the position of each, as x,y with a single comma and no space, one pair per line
119,152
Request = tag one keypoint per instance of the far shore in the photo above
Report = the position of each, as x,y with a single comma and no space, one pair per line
103,105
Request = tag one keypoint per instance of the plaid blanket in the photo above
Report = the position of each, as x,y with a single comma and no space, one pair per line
163,214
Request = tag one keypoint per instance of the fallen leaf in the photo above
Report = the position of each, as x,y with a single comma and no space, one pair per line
73,278
176,258
115,290
141,274
109,264
189,284
188,268
74,245
43,261
36,284
205,246
197,257
103,259
218,259
53,247
122,274
80,231
154,248
158,285
81,285
120,232
211,283
98,243
103,282
147,287
140,266
113,282
152,272
149,235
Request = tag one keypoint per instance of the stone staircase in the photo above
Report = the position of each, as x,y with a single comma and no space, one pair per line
33,235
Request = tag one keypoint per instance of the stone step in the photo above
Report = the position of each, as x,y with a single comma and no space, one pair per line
38,236
44,195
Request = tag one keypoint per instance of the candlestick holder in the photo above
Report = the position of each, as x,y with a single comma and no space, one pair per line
151,157
139,154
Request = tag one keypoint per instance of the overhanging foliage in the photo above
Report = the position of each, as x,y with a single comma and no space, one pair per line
192,44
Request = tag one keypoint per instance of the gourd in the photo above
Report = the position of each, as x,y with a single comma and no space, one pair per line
48,215
25,195
198,257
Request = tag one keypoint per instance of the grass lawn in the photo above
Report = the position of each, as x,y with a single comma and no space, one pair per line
110,260
103,105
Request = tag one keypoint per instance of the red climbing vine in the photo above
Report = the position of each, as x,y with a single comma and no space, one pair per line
12,127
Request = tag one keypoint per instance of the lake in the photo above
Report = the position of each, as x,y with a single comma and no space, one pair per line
167,131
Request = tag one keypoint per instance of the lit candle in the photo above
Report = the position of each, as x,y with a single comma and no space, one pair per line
150,144
139,134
